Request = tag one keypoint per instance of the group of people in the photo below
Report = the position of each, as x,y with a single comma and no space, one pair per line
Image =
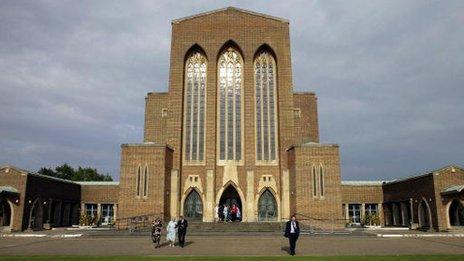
179,228
174,229
227,213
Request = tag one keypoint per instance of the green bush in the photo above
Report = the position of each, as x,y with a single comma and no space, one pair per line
371,219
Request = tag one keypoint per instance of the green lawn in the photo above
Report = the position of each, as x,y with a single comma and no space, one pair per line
219,258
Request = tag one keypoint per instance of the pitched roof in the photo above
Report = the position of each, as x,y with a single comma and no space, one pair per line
363,183
8,189
424,174
230,8
453,189
98,183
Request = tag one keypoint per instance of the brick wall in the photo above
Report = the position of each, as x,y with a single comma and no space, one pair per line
306,119
158,159
324,211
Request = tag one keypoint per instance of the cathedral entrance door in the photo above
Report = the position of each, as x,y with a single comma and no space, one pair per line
230,197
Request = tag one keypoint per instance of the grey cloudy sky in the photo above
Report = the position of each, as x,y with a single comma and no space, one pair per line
389,76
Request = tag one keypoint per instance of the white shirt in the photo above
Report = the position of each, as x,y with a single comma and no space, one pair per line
292,227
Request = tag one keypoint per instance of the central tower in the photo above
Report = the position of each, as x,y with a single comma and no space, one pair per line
224,129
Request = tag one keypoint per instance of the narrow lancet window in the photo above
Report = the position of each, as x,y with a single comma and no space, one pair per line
230,66
195,98
265,102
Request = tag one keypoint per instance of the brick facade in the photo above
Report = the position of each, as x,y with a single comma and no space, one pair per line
305,178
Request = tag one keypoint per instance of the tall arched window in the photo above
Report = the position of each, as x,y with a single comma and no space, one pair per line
267,207
265,102
321,180
195,97
145,181
137,185
314,181
193,207
230,73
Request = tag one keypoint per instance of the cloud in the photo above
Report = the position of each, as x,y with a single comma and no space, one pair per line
388,75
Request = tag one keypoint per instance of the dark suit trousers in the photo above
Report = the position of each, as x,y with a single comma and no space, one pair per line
292,238
181,234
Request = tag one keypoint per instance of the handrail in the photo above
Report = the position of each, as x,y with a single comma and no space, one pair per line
136,223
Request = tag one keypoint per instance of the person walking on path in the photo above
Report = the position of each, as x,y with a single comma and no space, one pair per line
156,232
292,232
171,232
182,225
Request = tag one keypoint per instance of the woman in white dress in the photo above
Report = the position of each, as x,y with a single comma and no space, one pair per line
171,232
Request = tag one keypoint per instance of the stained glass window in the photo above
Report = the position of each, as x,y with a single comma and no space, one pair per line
195,97
230,104
265,95
193,207
267,207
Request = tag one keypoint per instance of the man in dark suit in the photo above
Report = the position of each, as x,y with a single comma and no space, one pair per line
182,225
292,232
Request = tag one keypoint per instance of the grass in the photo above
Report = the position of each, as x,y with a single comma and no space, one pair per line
225,258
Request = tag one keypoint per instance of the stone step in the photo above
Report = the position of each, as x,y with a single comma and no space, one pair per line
235,227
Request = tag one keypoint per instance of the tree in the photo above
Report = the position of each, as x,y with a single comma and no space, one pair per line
65,171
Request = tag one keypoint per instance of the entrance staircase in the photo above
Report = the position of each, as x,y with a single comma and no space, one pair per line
229,227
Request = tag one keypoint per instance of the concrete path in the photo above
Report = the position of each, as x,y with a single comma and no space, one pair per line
232,245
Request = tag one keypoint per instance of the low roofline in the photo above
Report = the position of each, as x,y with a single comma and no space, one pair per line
147,144
8,166
176,21
27,172
423,175
157,93
98,183
52,178
304,93
312,144
30,173
363,182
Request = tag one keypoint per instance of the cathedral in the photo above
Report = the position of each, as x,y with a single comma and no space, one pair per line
231,130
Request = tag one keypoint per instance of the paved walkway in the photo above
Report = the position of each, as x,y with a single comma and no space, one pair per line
232,245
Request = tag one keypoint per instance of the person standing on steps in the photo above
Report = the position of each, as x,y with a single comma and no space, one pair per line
182,225
216,213
292,232
225,211
233,212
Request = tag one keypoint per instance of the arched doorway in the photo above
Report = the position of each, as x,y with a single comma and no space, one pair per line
456,213
36,215
5,213
193,207
229,197
267,207
424,214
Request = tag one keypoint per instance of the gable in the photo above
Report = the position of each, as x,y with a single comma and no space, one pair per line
230,10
